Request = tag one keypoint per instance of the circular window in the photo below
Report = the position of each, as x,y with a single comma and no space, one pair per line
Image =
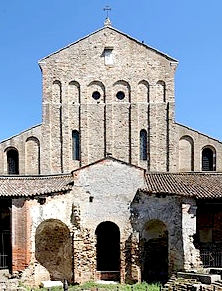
120,95
96,95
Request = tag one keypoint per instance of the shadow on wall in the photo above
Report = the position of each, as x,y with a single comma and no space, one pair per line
150,250
53,249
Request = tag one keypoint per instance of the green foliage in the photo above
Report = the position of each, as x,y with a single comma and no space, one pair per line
110,287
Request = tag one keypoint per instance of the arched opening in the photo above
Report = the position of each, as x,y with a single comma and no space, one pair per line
75,145
161,91
108,250
96,91
208,160
143,145
186,153
53,249
57,92
73,92
143,91
12,162
32,156
154,252
122,91
209,235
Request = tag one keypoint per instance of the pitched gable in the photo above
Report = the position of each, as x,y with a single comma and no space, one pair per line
110,30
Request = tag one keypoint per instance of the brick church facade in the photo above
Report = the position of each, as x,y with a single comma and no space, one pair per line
109,186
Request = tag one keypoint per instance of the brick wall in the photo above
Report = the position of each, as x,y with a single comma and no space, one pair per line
108,124
20,235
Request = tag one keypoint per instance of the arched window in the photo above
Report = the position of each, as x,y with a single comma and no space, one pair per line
143,145
12,161
208,160
75,145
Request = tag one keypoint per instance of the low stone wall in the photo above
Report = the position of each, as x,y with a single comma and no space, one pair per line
108,276
181,284
202,278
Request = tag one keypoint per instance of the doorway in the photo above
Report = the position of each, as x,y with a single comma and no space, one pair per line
108,250
5,235
154,252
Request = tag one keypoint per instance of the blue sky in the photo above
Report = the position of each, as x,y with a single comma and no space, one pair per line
190,31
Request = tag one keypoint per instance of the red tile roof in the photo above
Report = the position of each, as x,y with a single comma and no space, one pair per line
197,185
18,186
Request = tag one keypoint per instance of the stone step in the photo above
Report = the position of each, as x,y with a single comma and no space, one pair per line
203,278
218,283
9,283
8,287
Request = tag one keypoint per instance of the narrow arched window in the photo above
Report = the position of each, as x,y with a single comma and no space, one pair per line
12,161
143,145
75,145
208,160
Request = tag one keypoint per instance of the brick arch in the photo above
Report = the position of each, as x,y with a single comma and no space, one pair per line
108,249
96,121
208,158
122,86
143,91
154,249
160,91
96,86
32,156
186,153
56,92
53,249
12,160
122,121
74,92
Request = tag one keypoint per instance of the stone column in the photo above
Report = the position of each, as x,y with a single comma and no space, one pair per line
130,266
191,254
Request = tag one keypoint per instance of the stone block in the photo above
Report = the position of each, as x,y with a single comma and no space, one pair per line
49,284
203,278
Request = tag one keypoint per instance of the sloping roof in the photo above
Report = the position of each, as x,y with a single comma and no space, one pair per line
196,131
19,186
197,185
20,133
109,158
118,31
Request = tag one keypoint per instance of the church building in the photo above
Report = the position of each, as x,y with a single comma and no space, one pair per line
109,186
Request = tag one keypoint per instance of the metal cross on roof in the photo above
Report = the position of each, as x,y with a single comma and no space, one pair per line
107,9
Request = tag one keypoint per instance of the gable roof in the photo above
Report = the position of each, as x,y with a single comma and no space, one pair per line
26,186
116,30
197,185
109,158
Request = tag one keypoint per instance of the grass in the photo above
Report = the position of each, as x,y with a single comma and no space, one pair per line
103,287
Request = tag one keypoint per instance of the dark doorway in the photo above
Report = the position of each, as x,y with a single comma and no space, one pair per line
108,247
209,232
154,252
5,234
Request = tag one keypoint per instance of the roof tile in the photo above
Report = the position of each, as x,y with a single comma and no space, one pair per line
17,186
199,185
